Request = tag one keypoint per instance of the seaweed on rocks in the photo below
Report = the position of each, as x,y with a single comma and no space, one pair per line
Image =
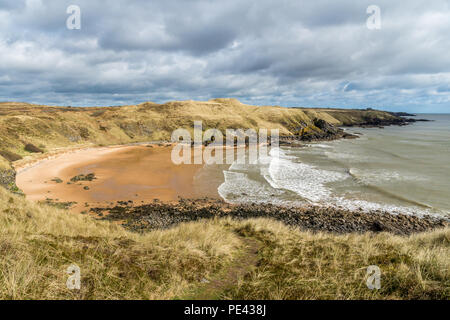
159,215
82,177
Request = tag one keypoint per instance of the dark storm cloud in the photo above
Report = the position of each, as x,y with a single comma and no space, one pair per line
286,52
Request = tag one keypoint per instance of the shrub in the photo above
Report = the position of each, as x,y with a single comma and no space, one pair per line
97,113
32,148
84,132
10,156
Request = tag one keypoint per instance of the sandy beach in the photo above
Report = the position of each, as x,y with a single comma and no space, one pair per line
122,173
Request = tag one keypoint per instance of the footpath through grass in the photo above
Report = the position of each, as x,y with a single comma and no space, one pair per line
217,259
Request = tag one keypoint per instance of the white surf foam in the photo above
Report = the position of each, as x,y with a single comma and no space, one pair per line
318,145
281,174
375,176
301,178
238,187
368,206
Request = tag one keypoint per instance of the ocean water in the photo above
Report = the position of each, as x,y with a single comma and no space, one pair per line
396,169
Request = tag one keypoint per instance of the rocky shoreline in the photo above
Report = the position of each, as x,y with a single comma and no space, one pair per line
327,131
160,215
380,123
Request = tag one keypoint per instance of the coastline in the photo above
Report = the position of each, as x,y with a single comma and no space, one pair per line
206,236
157,215
143,208
164,184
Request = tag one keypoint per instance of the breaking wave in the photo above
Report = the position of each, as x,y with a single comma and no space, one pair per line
281,178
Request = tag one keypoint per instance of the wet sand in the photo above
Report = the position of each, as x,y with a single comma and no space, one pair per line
123,173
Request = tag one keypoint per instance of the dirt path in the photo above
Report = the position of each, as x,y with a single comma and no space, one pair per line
243,265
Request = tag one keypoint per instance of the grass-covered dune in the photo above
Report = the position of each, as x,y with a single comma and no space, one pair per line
220,258
27,130
47,127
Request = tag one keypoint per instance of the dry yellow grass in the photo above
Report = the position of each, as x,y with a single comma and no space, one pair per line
38,243
302,265
254,259
4,164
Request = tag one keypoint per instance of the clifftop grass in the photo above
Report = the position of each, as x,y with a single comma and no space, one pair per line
214,259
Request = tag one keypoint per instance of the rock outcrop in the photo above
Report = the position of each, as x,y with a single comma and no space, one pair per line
165,215
8,180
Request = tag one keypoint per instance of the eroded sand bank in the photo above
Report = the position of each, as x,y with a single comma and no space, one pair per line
137,173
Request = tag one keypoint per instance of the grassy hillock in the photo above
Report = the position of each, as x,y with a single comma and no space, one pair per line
221,258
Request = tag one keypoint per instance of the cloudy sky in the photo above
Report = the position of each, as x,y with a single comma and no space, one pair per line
278,52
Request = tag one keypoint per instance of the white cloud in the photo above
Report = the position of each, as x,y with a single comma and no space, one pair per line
285,52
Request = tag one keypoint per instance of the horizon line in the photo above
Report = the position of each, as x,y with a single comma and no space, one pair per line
257,105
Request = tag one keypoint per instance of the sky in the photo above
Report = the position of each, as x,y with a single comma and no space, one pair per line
285,52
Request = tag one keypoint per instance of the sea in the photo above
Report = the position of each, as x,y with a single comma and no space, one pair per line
399,169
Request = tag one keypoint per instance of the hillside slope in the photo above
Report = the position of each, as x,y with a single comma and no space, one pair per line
209,259
46,128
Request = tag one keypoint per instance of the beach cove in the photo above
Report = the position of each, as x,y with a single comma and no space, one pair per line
140,173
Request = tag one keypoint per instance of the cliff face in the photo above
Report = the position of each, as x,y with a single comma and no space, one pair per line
47,128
